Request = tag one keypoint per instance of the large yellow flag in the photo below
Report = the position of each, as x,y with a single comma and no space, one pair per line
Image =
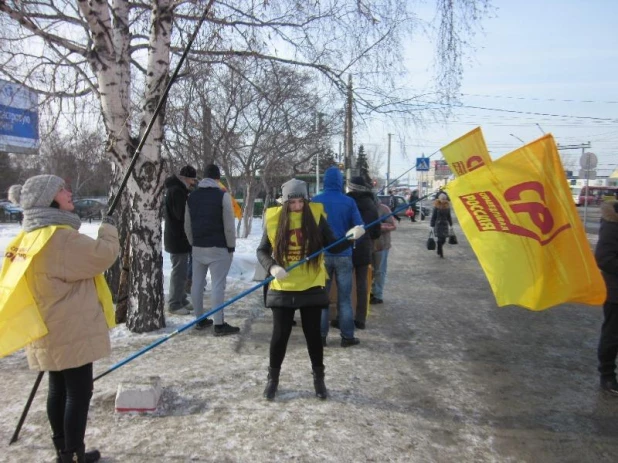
519,217
467,153
235,205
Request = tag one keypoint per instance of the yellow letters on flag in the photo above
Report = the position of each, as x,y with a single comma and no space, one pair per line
467,153
519,217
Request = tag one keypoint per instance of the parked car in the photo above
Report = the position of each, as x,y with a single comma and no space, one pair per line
10,212
90,208
399,202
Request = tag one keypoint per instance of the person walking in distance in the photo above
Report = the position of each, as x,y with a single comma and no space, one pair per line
175,239
210,228
293,231
68,303
392,203
413,204
606,254
341,215
441,221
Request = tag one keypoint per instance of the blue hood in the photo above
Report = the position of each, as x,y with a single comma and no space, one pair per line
333,180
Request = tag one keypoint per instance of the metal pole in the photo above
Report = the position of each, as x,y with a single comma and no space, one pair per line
587,190
317,173
388,163
22,418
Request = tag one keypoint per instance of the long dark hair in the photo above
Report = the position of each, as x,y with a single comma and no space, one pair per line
311,236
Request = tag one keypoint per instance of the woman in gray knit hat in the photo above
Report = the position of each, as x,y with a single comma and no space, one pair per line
292,232
63,279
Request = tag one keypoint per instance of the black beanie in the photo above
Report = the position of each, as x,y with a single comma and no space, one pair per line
212,171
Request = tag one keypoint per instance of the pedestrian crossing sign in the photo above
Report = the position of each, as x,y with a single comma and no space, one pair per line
422,164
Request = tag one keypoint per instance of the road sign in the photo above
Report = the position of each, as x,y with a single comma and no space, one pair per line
19,119
422,164
588,161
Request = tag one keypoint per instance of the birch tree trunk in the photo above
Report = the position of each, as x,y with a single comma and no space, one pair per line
143,196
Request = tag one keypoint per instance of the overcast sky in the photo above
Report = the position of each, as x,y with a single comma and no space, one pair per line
538,66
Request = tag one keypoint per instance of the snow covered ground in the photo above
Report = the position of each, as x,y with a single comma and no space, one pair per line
441,375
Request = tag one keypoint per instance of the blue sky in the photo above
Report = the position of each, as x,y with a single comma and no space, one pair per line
558,59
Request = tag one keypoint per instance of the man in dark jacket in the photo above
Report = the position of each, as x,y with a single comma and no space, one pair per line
366,201
341,215
210,228
606,254
174,238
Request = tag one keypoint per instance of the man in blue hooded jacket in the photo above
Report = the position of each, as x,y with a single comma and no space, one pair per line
341,215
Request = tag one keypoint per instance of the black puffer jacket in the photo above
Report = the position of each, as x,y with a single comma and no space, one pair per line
606,252
174,238
363,248
312,297
441,218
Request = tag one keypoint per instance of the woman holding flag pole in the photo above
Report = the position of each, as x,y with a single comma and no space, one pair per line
55,301
292,232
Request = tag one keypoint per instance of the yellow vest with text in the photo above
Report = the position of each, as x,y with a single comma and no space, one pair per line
20,320
305,276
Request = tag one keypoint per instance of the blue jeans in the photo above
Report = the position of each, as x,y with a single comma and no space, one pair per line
342,268
379,273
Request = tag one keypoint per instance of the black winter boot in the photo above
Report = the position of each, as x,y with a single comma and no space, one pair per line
318,383
79,455
74,456
273,383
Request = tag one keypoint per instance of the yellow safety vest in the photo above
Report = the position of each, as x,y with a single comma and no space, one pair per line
304,276
20,320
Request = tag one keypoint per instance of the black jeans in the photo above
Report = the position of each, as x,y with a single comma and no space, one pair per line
282,327
68,401
608,343
440,249
361,293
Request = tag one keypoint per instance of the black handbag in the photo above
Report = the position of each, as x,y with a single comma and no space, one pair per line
431,242
452,238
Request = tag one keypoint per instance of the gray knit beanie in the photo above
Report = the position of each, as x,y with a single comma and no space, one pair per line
38,191
294,189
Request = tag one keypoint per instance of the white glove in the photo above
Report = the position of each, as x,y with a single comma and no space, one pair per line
356,232
278,272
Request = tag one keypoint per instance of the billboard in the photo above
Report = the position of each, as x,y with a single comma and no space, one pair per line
19,119
442,170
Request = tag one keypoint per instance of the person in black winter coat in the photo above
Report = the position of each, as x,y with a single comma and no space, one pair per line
293,232
363,248
174,238
606,254
441,221
413,203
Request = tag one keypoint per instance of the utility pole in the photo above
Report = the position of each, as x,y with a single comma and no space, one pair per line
348,145
388,164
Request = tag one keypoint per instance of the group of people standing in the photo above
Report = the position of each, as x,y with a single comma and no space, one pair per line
199,232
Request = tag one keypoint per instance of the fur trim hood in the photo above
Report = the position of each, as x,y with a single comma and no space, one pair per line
439,204
608,211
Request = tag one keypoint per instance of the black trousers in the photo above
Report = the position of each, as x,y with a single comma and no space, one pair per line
441,242
608,343
68,401
282,327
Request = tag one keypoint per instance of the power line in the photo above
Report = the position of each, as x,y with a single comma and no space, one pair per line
538,99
